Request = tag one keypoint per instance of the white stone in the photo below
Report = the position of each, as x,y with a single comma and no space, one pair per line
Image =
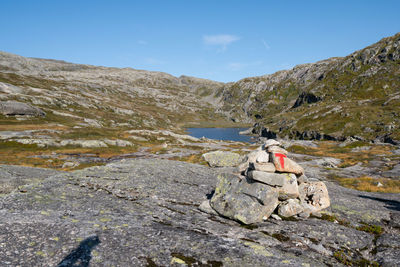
262,157
271,142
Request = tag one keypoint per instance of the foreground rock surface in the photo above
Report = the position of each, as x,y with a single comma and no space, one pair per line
146,213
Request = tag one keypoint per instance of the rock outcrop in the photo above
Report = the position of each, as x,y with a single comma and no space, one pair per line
268,179
145,212
12,108
358,92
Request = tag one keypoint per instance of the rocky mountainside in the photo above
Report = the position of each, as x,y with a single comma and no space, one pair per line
356,95
353,96
105,97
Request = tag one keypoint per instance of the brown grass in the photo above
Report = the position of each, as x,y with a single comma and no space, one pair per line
195,158
370,184
23,127
349,158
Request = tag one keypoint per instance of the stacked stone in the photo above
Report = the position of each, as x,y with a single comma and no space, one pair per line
269,182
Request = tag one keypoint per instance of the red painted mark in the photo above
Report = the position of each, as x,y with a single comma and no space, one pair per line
281,159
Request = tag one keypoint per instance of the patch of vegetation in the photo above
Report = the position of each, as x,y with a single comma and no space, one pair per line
332,218
341,257
372,229
194,158
350,258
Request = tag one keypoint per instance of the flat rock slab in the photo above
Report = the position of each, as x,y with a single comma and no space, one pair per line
145,212
274,179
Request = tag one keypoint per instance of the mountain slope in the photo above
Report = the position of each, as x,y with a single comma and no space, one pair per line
70,93
356,95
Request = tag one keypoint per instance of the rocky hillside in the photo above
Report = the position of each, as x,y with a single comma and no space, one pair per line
356,95
82,95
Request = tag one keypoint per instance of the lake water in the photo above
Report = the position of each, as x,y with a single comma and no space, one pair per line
231,134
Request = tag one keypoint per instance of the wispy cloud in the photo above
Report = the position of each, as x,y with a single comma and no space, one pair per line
154,61
222,40
267,47
236,66
142,42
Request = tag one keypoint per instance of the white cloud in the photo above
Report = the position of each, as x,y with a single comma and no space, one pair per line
222,40
267,47
142,42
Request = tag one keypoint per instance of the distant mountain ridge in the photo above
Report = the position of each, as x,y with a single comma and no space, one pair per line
354,96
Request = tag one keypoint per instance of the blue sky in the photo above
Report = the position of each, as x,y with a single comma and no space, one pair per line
218,40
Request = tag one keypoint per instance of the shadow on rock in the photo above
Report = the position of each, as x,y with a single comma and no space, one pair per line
391,204
81,256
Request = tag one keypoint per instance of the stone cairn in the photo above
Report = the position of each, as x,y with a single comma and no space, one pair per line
268,182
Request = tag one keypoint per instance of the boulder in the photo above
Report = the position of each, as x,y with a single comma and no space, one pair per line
222,159
314,196
13,108
284,164
274,179
243,200
290,208
290,188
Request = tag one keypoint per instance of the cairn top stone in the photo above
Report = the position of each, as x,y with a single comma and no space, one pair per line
271,142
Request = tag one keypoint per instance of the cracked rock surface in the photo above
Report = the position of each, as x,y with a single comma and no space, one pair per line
145,212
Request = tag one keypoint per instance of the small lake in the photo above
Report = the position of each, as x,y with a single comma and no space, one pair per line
230,134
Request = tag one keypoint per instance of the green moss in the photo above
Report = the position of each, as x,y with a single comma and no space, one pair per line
371,228
341,257
332,218
191,261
